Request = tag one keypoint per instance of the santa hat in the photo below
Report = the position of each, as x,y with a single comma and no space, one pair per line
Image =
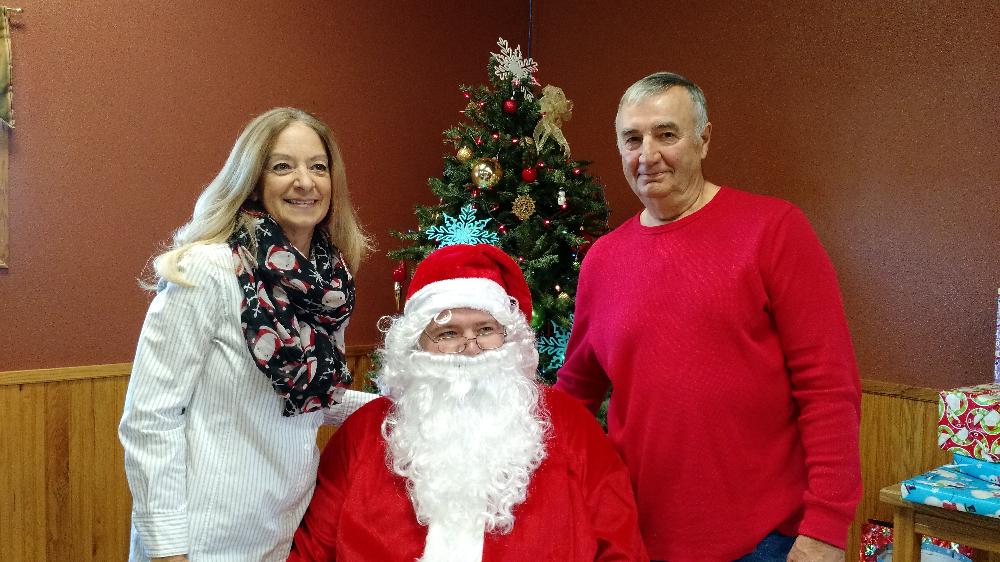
476,276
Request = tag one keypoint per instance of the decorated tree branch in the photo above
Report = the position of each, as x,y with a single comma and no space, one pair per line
511,182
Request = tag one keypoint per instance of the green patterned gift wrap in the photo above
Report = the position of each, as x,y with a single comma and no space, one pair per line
969,421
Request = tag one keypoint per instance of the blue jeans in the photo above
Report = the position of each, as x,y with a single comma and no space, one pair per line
774,548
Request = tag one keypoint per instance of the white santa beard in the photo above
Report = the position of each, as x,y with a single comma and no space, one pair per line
466,433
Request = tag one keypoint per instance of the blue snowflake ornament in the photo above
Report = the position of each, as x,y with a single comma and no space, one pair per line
555,345
463,230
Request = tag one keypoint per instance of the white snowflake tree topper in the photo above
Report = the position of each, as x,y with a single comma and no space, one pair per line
521,70
463,230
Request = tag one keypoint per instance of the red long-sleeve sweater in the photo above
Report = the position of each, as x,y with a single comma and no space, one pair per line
736,400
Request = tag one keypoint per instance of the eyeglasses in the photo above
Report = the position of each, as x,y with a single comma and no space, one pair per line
450,342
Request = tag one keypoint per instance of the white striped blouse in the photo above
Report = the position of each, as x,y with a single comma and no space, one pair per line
216,472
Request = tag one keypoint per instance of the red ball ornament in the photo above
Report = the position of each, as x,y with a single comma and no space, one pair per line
495,136
510,106
466,95
540,164
529,174
577,171
515,140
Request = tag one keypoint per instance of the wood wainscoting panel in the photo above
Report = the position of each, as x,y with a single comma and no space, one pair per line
63,472
22,473
898,440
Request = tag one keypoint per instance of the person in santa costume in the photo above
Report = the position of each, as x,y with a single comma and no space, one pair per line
466,457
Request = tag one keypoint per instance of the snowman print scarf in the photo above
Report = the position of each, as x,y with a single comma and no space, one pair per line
291,311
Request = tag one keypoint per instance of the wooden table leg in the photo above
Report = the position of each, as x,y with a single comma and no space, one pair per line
905,540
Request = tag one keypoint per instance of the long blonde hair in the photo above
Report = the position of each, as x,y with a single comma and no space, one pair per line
216,212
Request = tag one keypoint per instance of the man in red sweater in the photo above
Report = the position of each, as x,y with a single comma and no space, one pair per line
736,398
467,458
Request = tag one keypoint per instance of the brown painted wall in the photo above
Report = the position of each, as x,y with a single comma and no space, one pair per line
126,109
879,119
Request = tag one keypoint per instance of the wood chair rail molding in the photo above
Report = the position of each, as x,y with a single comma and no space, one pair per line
87,372
899,390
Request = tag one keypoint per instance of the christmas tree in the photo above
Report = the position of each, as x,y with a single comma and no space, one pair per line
511,182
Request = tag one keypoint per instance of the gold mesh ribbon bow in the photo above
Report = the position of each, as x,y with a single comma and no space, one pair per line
556,110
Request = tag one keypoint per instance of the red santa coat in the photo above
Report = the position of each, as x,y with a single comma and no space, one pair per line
579,506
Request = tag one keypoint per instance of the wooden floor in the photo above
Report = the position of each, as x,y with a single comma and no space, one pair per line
65,495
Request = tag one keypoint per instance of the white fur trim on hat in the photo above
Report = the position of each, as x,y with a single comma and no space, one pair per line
465,292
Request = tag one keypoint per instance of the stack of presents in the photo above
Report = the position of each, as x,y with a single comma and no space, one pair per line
969,428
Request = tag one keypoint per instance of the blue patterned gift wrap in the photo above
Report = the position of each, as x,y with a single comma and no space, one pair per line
983,470
946,487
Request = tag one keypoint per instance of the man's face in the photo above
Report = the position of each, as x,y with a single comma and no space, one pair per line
661,151
462,330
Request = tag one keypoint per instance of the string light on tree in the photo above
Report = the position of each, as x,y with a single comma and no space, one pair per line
398,276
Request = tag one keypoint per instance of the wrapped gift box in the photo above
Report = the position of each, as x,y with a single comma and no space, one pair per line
970,421
946,487
983,470
996,360
876,546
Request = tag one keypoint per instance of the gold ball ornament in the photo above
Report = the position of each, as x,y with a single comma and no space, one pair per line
464,154
524,207
563,296
486,172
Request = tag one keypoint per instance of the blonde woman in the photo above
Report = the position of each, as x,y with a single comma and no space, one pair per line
241,356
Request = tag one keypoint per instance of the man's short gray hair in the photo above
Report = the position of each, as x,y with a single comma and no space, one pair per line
660,82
